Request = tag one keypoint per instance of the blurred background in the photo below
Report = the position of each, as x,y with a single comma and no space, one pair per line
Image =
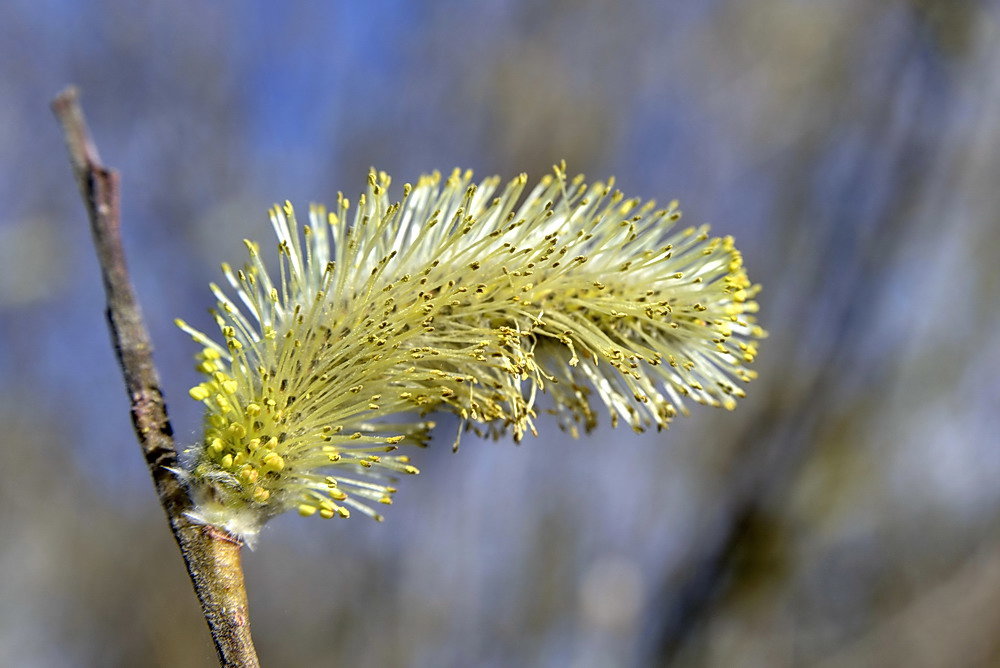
846,514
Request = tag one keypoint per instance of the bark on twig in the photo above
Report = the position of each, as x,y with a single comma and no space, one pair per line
212,558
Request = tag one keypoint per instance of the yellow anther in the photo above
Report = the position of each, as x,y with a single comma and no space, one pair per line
274,461
199,393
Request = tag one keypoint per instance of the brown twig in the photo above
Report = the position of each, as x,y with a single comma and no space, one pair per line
212,558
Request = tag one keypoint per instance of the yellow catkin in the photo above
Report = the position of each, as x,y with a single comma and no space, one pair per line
466,297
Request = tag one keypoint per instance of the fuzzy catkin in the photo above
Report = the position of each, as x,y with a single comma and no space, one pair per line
462,297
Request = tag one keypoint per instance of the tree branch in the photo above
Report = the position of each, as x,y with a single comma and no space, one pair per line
212,557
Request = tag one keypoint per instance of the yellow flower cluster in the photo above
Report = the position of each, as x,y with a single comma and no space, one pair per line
470,298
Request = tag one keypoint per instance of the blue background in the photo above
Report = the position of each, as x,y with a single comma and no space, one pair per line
849,504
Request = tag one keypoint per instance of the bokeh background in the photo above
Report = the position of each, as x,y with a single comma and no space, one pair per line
846,514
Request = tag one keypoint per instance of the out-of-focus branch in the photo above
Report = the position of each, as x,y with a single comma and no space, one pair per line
212,558
778,441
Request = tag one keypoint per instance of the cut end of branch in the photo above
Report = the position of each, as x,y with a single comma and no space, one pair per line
69,96
82,150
